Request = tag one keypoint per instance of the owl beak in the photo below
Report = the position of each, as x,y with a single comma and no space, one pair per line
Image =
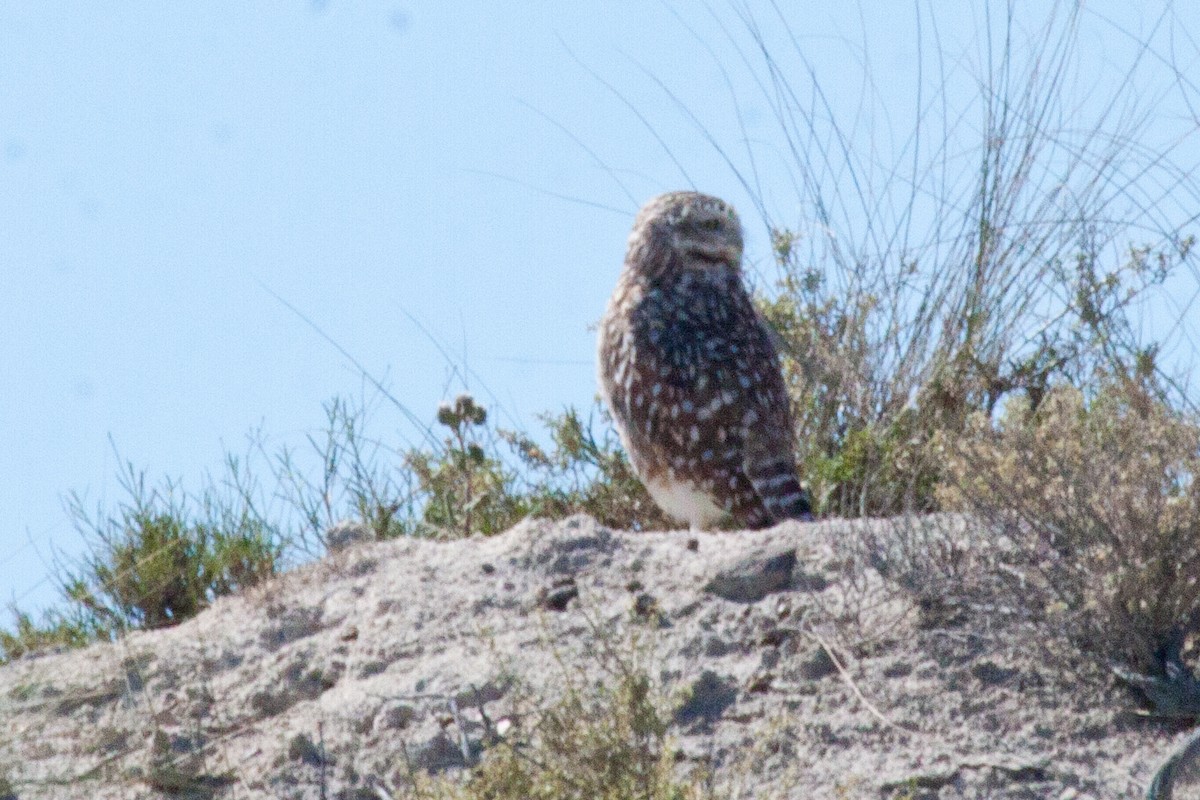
718,255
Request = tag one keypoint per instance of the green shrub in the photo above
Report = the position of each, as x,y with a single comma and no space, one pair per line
465,487
56,629
871,397
152,565
584,474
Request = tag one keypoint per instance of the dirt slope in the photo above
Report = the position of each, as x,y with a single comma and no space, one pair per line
337,679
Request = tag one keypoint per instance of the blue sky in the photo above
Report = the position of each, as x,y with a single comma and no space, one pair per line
464,170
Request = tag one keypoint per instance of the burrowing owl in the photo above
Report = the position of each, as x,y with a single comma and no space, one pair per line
690,374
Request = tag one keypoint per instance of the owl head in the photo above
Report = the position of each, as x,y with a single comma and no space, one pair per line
703,231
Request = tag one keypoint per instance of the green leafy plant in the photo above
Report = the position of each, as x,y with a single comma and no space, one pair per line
584,473
56,628
153,565
465,488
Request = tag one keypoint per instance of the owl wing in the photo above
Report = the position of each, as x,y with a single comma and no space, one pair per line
769,461
736,368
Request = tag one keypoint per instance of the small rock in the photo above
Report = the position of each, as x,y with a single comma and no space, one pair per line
645,605
634,586
439,754
753,578
302,748
488,569
396,717
715,647
346,533
693,544
709,697
818,665
371,668
991,674
556,598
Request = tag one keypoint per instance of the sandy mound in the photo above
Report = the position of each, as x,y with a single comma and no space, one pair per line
339,678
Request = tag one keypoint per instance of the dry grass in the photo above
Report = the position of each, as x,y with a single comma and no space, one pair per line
1100,492
1008,245
592,730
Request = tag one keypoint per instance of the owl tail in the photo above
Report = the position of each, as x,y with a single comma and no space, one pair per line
774,480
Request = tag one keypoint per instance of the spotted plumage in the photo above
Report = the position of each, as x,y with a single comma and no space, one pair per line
690,374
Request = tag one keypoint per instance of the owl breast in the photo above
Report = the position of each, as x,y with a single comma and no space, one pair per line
686,369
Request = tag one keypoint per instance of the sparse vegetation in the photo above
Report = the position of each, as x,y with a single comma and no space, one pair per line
603,739
153,564
465,488
600,732
57,628
585,473
1100,491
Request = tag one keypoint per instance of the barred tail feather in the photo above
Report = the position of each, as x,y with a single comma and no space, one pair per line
775,482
